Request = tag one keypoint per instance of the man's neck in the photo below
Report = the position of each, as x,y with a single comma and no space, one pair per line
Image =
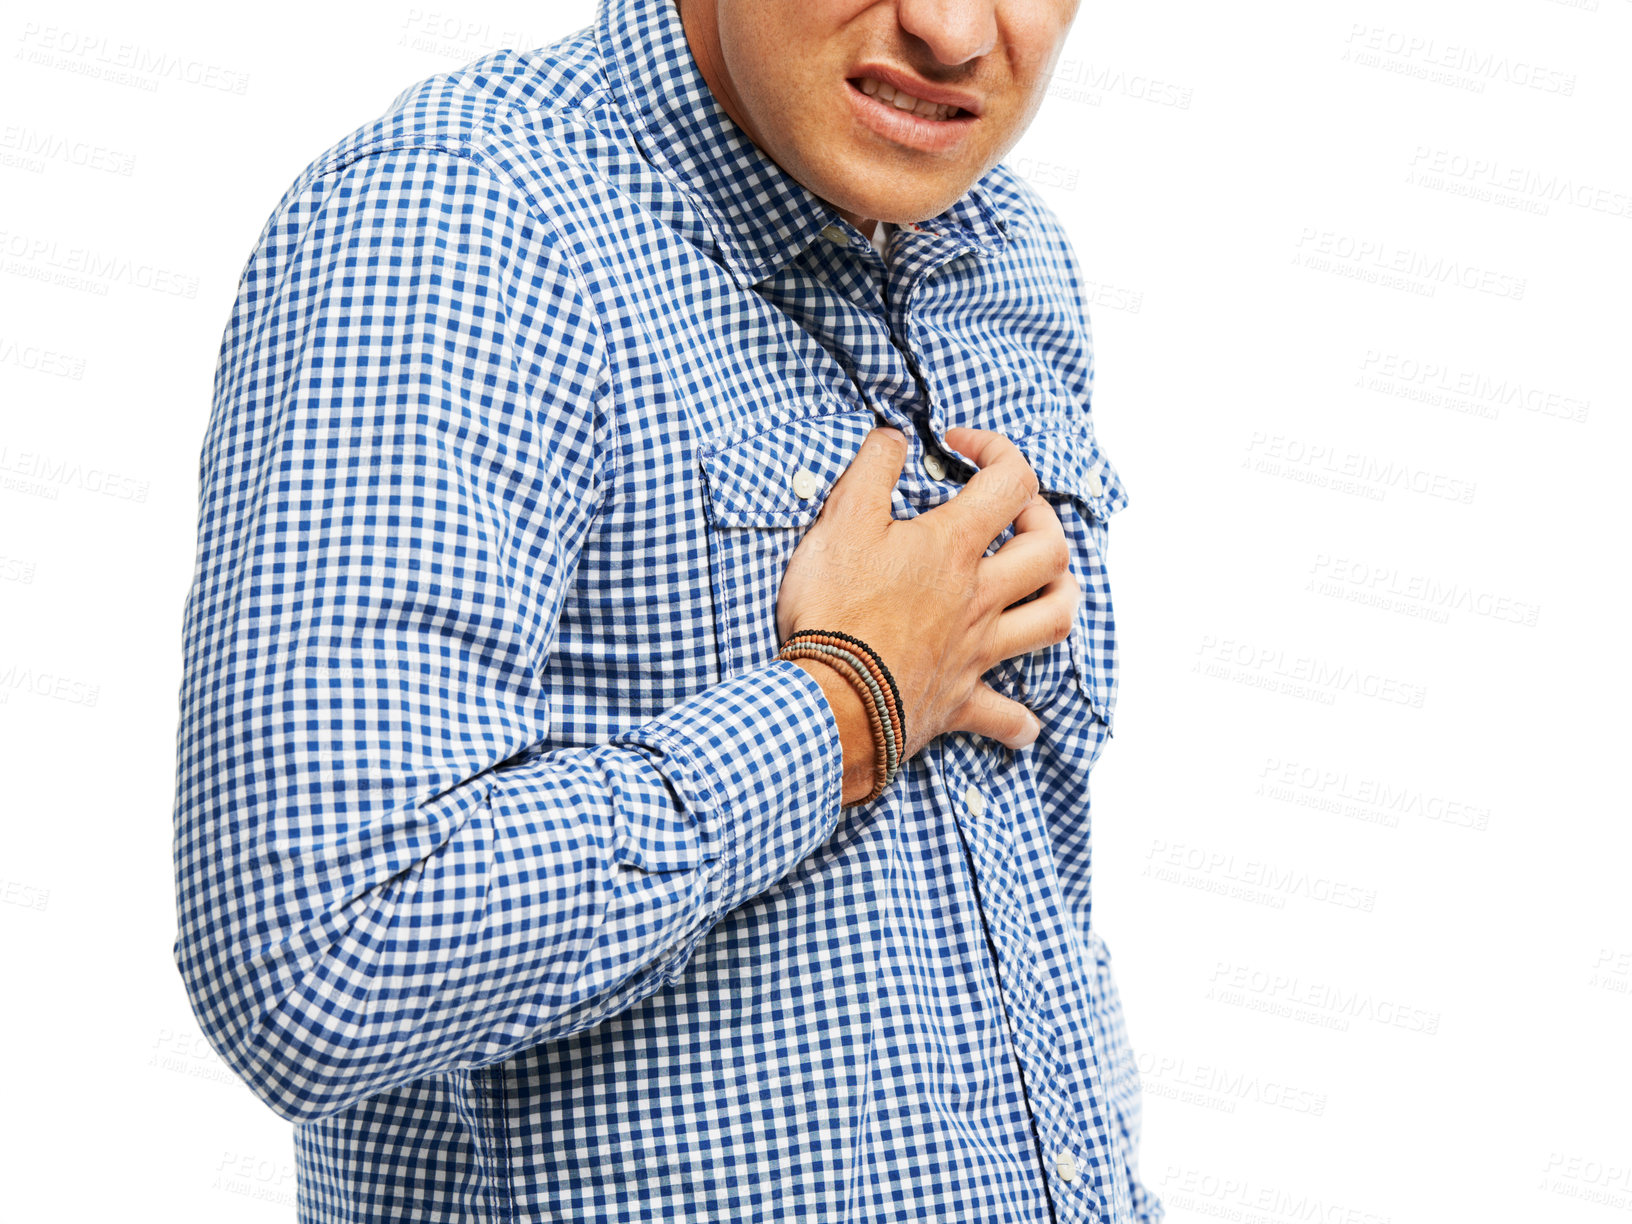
702,39
866,225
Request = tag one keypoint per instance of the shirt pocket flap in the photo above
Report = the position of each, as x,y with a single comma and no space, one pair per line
1072,463
1071,467
780,476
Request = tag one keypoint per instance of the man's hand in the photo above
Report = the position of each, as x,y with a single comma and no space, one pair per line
922,594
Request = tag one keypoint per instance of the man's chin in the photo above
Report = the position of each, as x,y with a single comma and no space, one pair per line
902,207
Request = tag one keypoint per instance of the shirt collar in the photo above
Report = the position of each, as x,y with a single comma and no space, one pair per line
760,216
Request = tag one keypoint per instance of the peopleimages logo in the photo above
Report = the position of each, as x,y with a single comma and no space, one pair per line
1489,180
1299,675
1384,586
1372,476
1379,261
1327,1005
80,267
1359,796
1255,880
51,472
1441,385
1417,55
124,63
20,679
1077,80
1244,1201
30,149
39,360
1216,1087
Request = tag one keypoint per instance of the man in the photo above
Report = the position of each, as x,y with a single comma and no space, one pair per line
513,865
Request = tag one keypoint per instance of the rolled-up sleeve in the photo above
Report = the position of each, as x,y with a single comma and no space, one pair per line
380,874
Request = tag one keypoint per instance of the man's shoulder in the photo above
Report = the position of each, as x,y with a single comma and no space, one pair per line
510,112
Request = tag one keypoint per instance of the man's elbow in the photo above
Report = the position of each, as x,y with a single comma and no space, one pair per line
298,1078
290,1079
286,1077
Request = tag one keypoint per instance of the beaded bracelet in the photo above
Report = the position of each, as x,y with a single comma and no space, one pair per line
890,699
860,675
880,736
883,738
872,674
859,663
840,639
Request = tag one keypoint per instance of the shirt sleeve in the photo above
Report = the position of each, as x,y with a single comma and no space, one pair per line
381,874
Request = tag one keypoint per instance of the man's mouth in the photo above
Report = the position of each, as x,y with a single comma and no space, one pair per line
888,94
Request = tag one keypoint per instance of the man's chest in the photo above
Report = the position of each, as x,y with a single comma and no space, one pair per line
738,409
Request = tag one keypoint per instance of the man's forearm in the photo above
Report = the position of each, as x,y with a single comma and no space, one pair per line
550,894
855,732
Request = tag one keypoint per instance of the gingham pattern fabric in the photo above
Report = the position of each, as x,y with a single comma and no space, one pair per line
510,862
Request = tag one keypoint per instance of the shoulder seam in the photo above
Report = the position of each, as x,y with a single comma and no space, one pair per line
466,151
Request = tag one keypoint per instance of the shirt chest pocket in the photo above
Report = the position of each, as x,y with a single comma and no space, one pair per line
1079,481
763,493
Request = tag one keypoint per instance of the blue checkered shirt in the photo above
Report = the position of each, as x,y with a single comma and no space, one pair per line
511,864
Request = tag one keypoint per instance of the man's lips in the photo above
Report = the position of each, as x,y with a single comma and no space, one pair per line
903,101
907,129
909,93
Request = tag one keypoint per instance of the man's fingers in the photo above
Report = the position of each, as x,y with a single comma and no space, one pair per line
989,713
994,495
1037,552
1039,622
865,486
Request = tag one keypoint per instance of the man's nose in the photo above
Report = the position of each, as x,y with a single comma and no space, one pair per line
956,30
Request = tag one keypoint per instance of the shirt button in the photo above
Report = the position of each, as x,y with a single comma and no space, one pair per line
835,234
1066,1167
1093,483
804,484
934,465
975,801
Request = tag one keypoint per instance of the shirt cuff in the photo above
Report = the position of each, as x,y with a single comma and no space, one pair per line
758,763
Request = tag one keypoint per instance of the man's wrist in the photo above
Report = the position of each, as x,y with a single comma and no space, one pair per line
855,730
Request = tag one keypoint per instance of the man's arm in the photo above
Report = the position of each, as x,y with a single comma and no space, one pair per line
410,437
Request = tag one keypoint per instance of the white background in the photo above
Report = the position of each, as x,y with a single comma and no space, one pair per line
1362,321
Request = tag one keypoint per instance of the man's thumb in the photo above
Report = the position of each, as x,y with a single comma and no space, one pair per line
875,470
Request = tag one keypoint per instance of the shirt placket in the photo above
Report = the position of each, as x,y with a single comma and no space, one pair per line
975,775
1073,1167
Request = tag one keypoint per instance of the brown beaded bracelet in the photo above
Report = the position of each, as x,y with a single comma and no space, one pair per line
888,694
861,677
880,676
861,665
873,655
874,724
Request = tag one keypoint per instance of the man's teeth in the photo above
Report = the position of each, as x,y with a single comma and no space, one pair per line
905,101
